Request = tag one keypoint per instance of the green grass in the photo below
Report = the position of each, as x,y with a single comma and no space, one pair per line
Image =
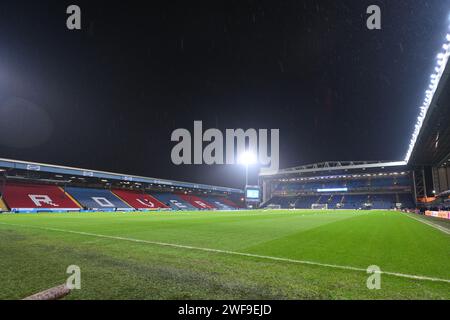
33,257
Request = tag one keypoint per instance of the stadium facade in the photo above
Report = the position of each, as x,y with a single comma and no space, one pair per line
34,187
340,185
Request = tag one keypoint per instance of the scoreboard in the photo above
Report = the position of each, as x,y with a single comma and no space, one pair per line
252,194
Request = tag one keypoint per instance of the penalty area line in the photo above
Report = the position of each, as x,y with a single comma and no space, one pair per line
234,253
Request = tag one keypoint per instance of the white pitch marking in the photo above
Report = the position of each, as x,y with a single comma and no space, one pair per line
438,227
251,255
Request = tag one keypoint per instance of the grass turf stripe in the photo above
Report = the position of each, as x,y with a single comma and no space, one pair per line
235,253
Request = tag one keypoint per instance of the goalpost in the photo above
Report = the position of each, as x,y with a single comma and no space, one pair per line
319,206
273,206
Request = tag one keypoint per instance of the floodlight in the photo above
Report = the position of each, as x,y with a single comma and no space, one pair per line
247,158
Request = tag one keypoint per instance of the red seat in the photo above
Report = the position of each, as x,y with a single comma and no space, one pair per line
20,196
230,203
197,202
139,200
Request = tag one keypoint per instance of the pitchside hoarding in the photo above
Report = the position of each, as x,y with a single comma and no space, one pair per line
438,214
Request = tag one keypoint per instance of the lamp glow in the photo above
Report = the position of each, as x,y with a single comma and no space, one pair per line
247,158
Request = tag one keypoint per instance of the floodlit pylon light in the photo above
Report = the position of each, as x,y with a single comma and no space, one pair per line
247,158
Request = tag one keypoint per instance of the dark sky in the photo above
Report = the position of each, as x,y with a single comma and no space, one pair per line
108,97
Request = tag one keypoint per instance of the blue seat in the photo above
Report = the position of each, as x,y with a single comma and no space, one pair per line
97,199
217,202
173,201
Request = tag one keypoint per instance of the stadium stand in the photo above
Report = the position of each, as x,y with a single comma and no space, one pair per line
82,185
298,202
406,200
97,199
220,203
367,184
231,203
306,201
332,201
274,200
344,201
139,200
356,184
381,183
383,201
173,200
353,201
35,197
197,202
341,185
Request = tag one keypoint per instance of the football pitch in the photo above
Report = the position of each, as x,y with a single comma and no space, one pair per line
301,254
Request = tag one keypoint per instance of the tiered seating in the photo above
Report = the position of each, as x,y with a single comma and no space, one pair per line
354,201
299,202
34,198
382,182
347,201
403,181
383,201
305,202
362,183
352,184
273,200
406,200
219,203
312,186
197,202
173,200
333,201
231,203
139,200
283,202
97,199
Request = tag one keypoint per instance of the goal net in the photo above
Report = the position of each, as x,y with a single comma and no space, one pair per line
320,206
273,206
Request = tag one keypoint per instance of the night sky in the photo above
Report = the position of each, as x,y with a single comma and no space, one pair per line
109,96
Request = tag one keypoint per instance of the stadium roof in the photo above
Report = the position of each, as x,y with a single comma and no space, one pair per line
336,166
433,142
79,172
430,142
